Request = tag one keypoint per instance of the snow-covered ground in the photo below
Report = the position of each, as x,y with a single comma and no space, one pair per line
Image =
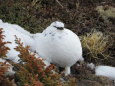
10,30
106,71
103,70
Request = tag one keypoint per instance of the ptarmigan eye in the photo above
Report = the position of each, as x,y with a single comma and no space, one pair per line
59,28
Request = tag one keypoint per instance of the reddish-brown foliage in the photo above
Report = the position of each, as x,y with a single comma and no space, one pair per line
4,80
32,70
3,48
3,69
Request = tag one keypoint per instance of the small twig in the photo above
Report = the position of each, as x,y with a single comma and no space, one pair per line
59,3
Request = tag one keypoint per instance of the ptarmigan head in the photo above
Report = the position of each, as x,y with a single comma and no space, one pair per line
58,25
55,27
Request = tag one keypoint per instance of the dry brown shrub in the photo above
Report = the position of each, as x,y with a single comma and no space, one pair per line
95,44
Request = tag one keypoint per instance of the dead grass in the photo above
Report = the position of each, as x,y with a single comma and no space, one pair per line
106,11
96,44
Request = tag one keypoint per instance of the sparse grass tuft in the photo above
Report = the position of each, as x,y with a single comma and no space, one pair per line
106,11
95,45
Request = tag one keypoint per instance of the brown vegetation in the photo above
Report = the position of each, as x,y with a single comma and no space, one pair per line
95,45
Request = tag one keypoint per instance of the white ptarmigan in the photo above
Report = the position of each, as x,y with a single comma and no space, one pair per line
59,45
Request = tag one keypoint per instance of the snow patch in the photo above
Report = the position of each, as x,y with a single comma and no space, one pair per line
10,31
106,71
91,65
